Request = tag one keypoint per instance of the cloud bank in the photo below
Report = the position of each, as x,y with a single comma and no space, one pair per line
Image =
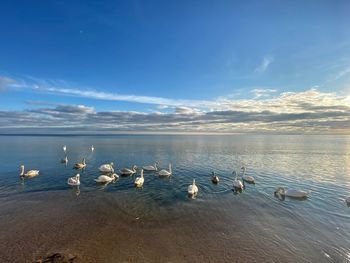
310,111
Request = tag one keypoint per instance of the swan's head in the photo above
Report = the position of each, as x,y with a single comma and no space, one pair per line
77,176
280,190
112,164
22,166
234,173
134,167
115,176
213,173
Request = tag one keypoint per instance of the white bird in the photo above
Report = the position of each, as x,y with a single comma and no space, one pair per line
139,180
92,148
81,165
348,200
126,171
296,193
107,168
74,180
192,188
65,160
30,173
214,178
247,178
106,178
65,148
166,172
151,167
237,184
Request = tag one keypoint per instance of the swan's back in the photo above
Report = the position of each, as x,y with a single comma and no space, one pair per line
296,193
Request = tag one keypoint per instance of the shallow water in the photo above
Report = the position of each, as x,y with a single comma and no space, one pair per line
159,222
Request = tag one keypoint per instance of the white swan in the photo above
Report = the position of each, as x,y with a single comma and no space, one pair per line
126,171
348,200
107,168
296,193
151,167
192,188
65,148
65,160
237,184
30,173
139,180
247,178
81,165
106,178
214,178
75,180
92,148
166,172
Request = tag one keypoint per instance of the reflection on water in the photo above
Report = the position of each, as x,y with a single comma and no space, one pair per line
312,229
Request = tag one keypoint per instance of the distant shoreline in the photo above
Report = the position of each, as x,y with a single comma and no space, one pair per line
164,134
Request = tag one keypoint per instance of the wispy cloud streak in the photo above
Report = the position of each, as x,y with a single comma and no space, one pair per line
267,60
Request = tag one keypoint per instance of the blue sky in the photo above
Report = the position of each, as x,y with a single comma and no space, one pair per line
165,59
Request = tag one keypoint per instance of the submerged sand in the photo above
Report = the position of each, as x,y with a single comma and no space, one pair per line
106,227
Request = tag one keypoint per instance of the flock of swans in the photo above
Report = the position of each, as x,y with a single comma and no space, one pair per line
108,175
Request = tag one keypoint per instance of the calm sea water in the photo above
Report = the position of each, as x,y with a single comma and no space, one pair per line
317,228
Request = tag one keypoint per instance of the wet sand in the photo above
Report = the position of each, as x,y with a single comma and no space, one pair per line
104,227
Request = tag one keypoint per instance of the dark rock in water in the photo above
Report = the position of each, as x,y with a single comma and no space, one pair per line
57,258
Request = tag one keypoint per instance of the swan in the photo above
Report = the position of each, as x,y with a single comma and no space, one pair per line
296,193
106,178
214,178
92,148
237,184
74,180
247,178
139,180
126,171
166,172
65,148
348,200
107,168
65,160
192,188
30,173
81,165
151,167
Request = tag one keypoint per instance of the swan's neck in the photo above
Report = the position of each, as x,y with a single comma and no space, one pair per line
84,161
169,168
142,174
155,166
194,182
22,171
235,174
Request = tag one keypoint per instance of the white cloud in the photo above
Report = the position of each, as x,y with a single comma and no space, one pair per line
259,93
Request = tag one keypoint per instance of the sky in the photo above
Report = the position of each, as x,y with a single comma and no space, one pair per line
175,67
